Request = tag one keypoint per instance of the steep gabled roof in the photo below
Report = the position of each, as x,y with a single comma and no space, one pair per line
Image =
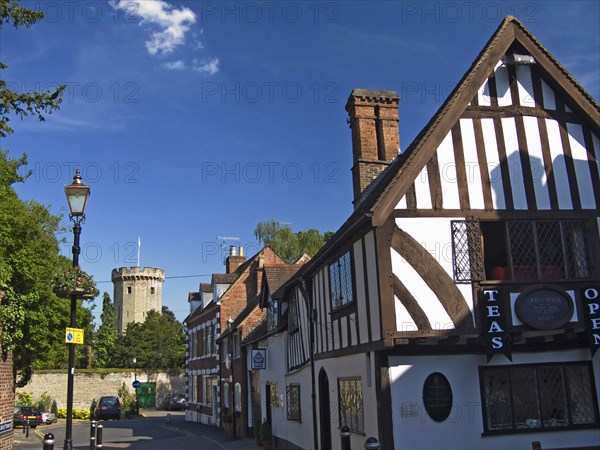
274,277
386,191
394,182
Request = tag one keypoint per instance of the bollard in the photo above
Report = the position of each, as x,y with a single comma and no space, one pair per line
99,436
345,437
48,442
372,444
168,418
536,445
27,428
93,435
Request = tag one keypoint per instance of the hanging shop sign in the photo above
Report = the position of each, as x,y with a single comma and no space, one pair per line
591,313
494,324
259,359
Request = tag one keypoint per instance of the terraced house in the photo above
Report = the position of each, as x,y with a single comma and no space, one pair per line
459,305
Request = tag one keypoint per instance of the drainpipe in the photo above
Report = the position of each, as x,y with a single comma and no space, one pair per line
313,395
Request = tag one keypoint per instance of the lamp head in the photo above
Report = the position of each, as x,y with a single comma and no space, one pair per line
77,195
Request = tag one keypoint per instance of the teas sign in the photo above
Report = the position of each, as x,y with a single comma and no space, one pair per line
494,323
591,312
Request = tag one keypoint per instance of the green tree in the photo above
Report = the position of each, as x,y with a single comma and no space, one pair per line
157,343
106,337
289,245
33,319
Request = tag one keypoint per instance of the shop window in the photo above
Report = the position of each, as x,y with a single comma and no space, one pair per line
293,402
538,397
520,250
340,282
350,401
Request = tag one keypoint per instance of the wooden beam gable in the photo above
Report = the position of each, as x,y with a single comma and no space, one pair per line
414,179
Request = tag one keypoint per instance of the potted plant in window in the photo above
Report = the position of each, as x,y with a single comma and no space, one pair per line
70,281
266,435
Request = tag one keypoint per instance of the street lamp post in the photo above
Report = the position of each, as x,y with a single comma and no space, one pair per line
77,195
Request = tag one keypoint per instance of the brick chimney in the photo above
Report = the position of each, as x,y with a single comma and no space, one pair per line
233,261
373,118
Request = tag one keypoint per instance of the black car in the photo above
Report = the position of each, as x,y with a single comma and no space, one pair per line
176,402
108,407
23,414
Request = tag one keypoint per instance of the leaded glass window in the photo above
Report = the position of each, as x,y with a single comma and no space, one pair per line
293,402
340,281
350,400
538,397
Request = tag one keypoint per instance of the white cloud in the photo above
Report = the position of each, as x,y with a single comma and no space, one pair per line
209,67
173,23
174,65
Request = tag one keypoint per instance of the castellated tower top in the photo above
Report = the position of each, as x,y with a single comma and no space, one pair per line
136,292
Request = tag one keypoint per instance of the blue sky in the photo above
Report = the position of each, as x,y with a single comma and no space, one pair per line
192,120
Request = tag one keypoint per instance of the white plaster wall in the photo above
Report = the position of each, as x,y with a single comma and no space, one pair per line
434,234
463,428
350,366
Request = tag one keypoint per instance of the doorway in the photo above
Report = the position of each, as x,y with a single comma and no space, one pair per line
324,410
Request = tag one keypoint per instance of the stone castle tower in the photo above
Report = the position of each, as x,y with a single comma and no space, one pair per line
136,291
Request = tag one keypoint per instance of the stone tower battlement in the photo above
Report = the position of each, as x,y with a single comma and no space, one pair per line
136,292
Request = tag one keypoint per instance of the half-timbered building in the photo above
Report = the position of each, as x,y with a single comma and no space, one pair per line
459,305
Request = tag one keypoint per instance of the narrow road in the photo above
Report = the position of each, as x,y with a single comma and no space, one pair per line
154,431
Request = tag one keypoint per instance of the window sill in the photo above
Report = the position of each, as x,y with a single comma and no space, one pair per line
343,310
539,430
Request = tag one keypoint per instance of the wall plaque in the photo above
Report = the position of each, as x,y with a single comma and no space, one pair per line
437,396
544,308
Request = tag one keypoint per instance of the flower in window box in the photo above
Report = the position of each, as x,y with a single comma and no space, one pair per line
74,281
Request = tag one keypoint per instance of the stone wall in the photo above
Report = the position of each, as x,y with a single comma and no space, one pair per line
90,384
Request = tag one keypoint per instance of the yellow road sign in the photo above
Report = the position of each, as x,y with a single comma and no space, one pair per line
74,336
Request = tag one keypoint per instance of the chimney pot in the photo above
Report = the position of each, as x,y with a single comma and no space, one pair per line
232,250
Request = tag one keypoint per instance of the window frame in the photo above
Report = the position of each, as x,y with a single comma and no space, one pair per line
534,388
336,271
236,345
237,397
293,402
469,260
357,424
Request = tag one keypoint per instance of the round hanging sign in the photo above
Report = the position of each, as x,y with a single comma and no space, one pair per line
437,396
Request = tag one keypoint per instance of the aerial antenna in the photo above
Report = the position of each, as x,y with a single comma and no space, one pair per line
139,247
223,240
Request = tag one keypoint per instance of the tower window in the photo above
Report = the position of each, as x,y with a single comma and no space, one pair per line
129,289
153,290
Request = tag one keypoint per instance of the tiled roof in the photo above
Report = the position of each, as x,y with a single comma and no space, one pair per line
205,287
223,278
278,274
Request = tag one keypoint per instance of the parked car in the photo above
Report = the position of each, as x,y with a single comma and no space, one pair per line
48,417
176,402
108,407
21,414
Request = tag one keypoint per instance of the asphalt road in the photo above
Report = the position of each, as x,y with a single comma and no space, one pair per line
154,431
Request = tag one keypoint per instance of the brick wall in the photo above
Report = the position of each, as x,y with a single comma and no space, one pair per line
90,385
7,397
